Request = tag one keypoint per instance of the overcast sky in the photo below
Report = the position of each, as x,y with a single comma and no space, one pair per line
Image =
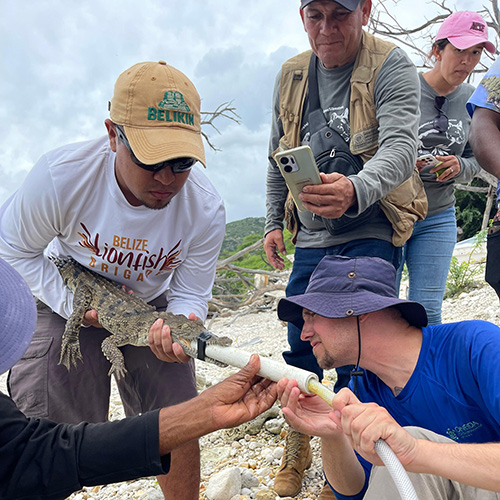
60,59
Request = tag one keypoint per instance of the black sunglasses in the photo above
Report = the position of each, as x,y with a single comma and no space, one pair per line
178,165
441,120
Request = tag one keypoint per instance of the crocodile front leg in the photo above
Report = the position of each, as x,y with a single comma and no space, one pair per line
70,347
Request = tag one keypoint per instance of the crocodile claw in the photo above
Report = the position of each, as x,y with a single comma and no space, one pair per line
119,371
70,355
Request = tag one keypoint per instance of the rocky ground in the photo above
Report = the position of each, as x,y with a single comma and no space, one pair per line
240,464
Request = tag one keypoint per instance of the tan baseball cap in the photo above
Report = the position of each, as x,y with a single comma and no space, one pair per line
159,108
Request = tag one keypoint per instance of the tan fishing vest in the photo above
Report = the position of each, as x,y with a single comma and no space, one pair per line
404,205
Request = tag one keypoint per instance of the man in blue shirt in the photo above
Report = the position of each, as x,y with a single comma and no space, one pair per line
440,378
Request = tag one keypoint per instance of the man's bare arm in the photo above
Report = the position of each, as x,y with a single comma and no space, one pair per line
236,400
484,139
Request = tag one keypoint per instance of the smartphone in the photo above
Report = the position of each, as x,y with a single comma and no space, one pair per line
431,161
299,169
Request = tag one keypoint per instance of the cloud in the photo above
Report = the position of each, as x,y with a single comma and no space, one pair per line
239,170
59,60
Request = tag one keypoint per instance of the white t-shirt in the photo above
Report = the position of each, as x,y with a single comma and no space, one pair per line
71,204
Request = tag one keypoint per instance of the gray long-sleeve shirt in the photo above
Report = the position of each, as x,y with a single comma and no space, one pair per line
396,96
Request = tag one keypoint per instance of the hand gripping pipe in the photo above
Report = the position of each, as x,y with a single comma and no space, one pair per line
308,382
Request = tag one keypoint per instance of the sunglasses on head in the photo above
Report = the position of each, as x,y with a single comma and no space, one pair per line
178,165
441,120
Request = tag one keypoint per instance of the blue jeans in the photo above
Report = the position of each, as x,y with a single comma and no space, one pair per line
305,261
428,256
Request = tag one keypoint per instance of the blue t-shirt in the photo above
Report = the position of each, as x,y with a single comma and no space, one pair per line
454,389
485,98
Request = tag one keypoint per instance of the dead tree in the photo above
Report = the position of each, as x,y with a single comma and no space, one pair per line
224,110
224,295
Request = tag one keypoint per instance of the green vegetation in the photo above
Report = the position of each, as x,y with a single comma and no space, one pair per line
236,231
257,258
462,274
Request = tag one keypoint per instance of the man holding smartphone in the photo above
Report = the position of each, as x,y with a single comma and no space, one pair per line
368,94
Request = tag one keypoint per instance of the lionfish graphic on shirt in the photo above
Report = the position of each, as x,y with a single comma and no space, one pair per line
161,262
87,240
172,261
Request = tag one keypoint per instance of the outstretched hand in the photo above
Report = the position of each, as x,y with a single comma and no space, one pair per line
305,413
239,398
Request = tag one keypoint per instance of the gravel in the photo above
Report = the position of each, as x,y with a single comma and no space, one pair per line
259,454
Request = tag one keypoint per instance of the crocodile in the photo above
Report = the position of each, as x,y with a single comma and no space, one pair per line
127,317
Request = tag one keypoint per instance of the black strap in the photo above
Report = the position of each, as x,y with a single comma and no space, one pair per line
312,73
202,344
316,117
356,371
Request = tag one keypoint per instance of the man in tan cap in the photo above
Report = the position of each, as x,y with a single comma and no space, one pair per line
131,207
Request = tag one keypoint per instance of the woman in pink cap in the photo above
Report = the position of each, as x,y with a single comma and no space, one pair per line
447,156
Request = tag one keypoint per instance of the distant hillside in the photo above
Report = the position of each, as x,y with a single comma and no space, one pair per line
237,230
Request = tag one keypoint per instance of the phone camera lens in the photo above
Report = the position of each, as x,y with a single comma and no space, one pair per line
288,168
284,160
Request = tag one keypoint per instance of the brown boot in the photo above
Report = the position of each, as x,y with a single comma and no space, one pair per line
327,493
296,459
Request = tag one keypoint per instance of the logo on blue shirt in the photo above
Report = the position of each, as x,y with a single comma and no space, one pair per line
463,432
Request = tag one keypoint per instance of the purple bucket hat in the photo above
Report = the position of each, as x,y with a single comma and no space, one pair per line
17,316
351,5
341,287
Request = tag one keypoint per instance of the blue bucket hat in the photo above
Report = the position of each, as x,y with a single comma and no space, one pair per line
17,316
351,5
341,287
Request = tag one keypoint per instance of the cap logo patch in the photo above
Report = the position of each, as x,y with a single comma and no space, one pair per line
477,27
173,100
172,108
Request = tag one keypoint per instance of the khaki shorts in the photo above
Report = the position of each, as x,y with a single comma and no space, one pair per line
42,388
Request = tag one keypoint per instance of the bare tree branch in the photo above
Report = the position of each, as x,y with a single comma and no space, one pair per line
223,263
224,110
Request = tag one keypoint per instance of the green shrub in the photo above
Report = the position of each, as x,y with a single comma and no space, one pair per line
461,275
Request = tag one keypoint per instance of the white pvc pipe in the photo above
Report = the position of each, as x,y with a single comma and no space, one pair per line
308,382
269,368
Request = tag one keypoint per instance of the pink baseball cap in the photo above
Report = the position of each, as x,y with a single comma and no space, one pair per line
465,29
